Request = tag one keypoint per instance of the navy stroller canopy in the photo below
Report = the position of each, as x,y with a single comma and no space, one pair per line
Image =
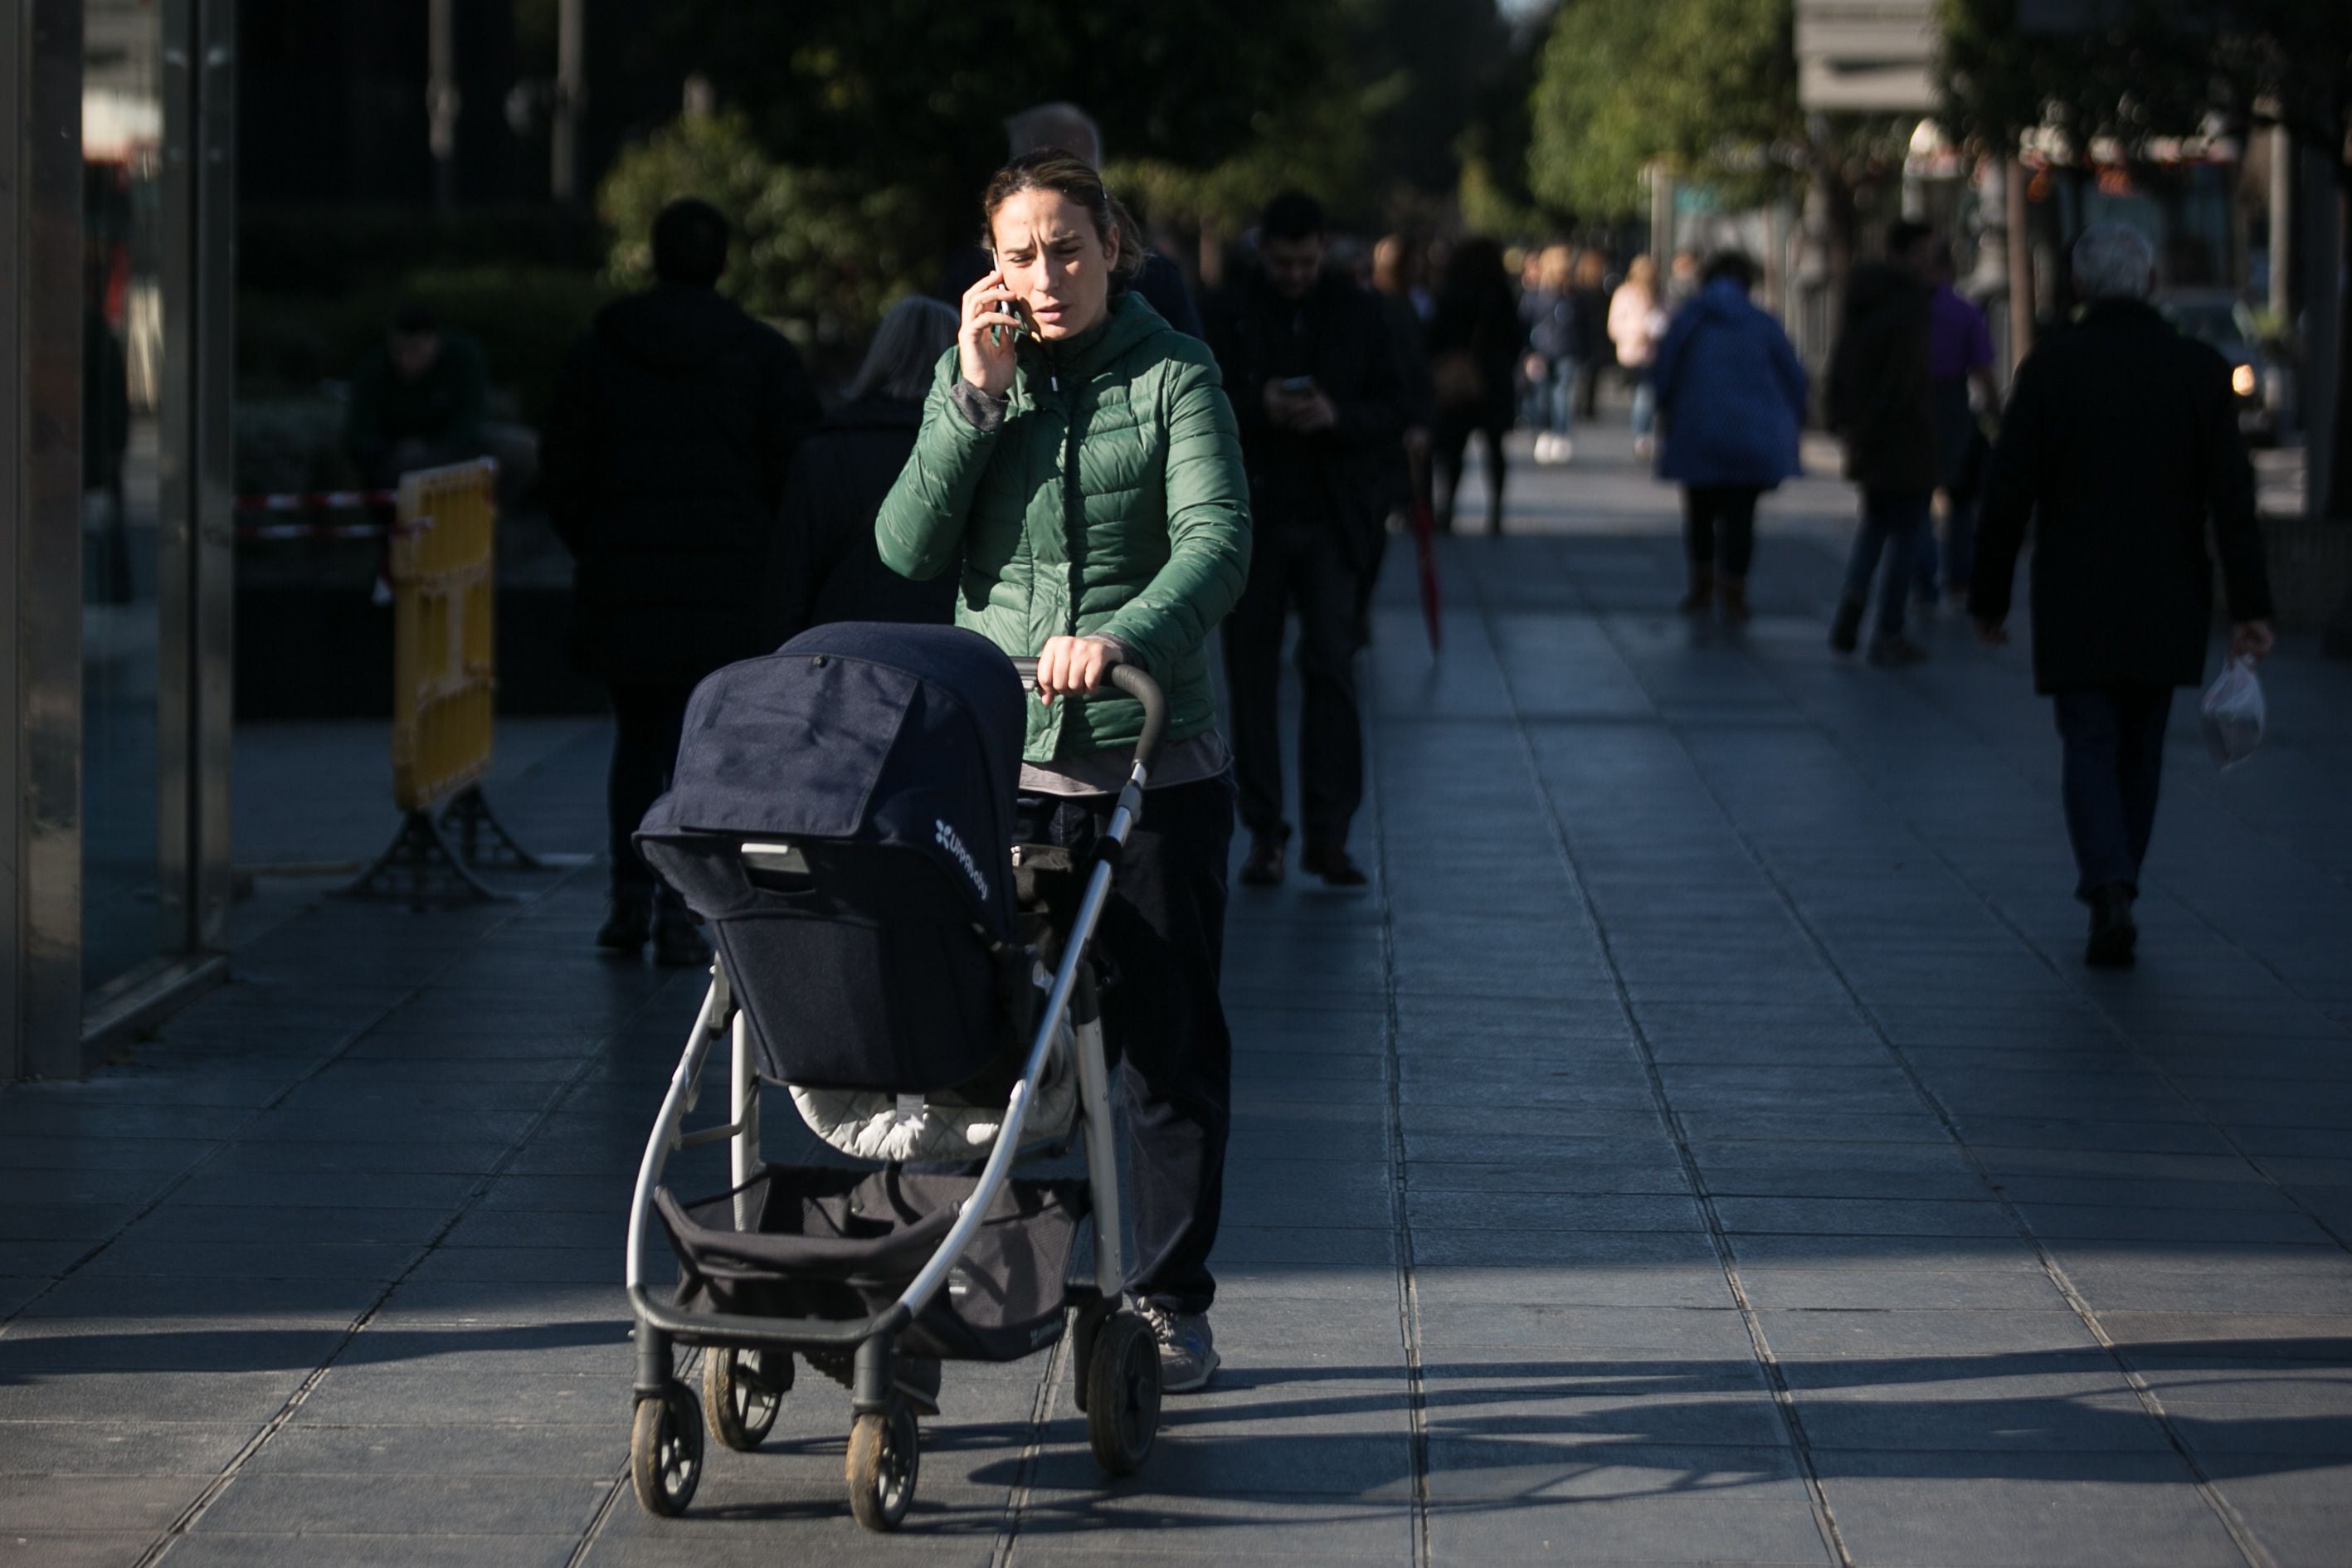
868,733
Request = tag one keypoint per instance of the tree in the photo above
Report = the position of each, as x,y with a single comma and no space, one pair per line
809,244
2142,69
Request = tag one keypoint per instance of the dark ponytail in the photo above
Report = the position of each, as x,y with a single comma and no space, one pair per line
1049,168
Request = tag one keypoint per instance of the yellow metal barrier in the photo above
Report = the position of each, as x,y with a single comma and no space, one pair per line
444,661
444,688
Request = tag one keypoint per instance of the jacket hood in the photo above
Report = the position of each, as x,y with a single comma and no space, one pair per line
1724,300
1876,285
674,326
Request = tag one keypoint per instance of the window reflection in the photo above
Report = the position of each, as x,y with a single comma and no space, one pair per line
123,388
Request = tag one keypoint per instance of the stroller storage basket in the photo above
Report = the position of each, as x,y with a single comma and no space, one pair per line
840,1245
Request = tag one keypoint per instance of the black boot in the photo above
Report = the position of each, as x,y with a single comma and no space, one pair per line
2113,933
1845,630
1263,867
677,944
628,921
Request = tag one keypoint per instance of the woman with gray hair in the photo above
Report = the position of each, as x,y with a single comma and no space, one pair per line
825,567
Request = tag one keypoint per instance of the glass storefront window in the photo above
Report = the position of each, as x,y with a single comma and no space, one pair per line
124,921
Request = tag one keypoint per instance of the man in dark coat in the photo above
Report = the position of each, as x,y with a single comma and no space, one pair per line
662,465
417,400
1882,402
1309,364
2120,447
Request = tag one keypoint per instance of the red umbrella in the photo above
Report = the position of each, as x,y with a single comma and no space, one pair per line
1425,550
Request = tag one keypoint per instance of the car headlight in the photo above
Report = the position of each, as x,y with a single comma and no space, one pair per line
2242,380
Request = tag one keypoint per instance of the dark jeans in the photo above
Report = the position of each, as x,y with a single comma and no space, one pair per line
1164,932
1894,522
1451,443
1956,436
2114,737
1305,567
1723,511
646,724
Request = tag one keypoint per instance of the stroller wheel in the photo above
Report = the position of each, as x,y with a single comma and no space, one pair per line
665,1451
884,1456
1122,1380
742,1391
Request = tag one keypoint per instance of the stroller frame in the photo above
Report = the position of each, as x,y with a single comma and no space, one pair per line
665,1449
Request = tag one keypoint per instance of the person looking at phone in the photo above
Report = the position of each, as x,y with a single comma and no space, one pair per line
1078,465
1311,364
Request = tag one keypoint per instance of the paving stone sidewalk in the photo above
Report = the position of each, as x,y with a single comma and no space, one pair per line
1703,1144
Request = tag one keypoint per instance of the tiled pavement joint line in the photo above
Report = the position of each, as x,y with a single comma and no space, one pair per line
481,1188
1783,1400
1024,1475
2068,975
2241,1534
333,1057
1416,1393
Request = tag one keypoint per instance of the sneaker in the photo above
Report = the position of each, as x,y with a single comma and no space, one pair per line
628,922
1845,630
1895,652
1188,1350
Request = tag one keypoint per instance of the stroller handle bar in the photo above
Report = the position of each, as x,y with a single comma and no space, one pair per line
1131,679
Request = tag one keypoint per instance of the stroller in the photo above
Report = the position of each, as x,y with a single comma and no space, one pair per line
841,817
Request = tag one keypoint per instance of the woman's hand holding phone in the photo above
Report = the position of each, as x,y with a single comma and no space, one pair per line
991,325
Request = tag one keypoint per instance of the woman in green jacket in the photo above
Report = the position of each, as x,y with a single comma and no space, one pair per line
1079,464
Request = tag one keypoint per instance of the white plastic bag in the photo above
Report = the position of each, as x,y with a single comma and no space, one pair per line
2234,714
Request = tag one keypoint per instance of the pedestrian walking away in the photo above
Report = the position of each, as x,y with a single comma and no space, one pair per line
1310,361
1880,404
2120,450
1731,396
1080,469
1474,340
824,566
1959,363
1637,321
662,466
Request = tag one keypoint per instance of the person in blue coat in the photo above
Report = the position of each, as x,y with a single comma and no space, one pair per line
1731,398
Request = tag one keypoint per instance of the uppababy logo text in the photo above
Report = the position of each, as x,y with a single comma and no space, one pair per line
954,846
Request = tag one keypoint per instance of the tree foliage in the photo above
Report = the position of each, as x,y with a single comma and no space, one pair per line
1707,88
812,245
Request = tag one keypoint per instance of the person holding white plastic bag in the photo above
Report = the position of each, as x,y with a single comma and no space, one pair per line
2120,445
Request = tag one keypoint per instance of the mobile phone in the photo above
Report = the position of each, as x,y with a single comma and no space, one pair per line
1020,314
1301,383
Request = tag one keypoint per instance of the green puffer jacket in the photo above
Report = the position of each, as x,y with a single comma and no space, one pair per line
1110,500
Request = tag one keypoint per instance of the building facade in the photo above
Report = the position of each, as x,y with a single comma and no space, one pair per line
117,221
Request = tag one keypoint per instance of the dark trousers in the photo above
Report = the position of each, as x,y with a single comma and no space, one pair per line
646,720
1305,568
2114,737
1448,448
1956,436
1164,931
1725,513
1895,524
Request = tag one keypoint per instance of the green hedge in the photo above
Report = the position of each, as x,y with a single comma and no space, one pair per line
526,318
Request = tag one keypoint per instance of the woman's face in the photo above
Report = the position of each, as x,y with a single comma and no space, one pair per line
1053,257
